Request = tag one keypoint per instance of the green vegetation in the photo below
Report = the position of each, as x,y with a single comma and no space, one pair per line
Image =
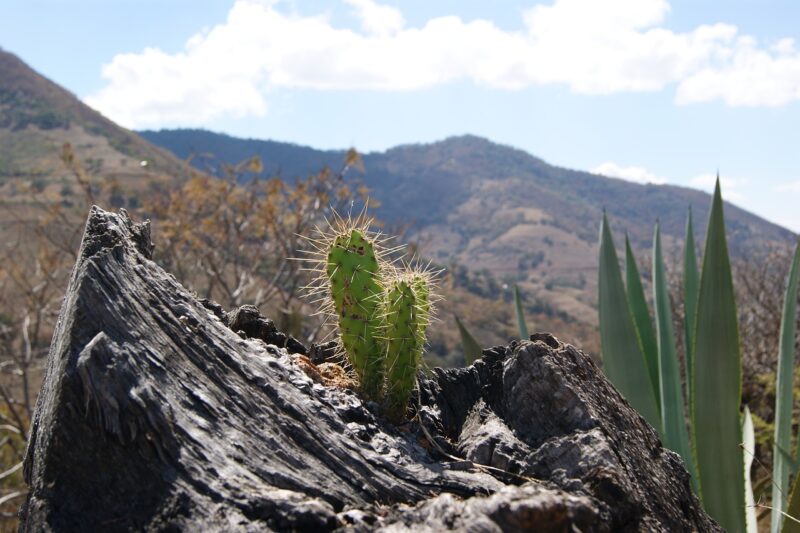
641,317
790,523
717,382
721,437
623,360
782,465
673,416
472,349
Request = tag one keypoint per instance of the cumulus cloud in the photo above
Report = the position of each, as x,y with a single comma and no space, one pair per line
590,46
753,76
378,19
631,173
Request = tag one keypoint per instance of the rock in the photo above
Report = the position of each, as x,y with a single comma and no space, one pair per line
325,352
252,324
155,414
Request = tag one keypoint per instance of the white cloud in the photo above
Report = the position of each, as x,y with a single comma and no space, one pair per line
378,19
752,76
632,173
591,46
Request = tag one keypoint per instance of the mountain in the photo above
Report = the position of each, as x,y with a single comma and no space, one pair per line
499,209
37,117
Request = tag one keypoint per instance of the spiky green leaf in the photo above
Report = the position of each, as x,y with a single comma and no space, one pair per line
791,518
641,318
717,382
623,360
523,328
472,350
673,412
691,288
781,465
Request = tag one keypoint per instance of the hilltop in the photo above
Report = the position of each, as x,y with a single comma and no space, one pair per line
37,117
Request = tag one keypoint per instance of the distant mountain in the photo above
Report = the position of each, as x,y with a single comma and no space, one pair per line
38,116
498,208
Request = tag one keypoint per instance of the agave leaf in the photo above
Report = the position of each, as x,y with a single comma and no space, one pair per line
691,287
791,522
523,329
472,350
781,467
787,456
717,382
623,360
673,412
641,317
749,453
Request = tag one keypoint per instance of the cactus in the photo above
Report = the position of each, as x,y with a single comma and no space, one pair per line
407,309
382,312
355,290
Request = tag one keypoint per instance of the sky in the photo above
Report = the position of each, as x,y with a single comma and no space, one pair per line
646,90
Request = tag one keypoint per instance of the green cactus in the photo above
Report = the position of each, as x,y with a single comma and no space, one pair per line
382,312
355,289
406,316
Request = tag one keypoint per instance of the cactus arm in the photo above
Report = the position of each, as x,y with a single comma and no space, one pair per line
353,273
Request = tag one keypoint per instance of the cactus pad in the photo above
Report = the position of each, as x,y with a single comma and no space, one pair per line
353,273
406,316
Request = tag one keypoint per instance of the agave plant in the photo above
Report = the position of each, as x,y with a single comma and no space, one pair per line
718,437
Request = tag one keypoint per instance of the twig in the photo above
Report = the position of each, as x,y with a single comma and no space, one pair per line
11,470
11,496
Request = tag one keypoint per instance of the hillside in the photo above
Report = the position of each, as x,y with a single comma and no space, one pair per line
493,207
38,116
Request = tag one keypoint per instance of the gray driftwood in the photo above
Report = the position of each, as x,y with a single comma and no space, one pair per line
154,414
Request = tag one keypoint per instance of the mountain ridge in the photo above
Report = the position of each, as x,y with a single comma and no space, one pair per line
182,142
499,209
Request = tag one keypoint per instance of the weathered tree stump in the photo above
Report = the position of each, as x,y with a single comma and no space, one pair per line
154,414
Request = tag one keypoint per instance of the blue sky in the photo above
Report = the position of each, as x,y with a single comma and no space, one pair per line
648,90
